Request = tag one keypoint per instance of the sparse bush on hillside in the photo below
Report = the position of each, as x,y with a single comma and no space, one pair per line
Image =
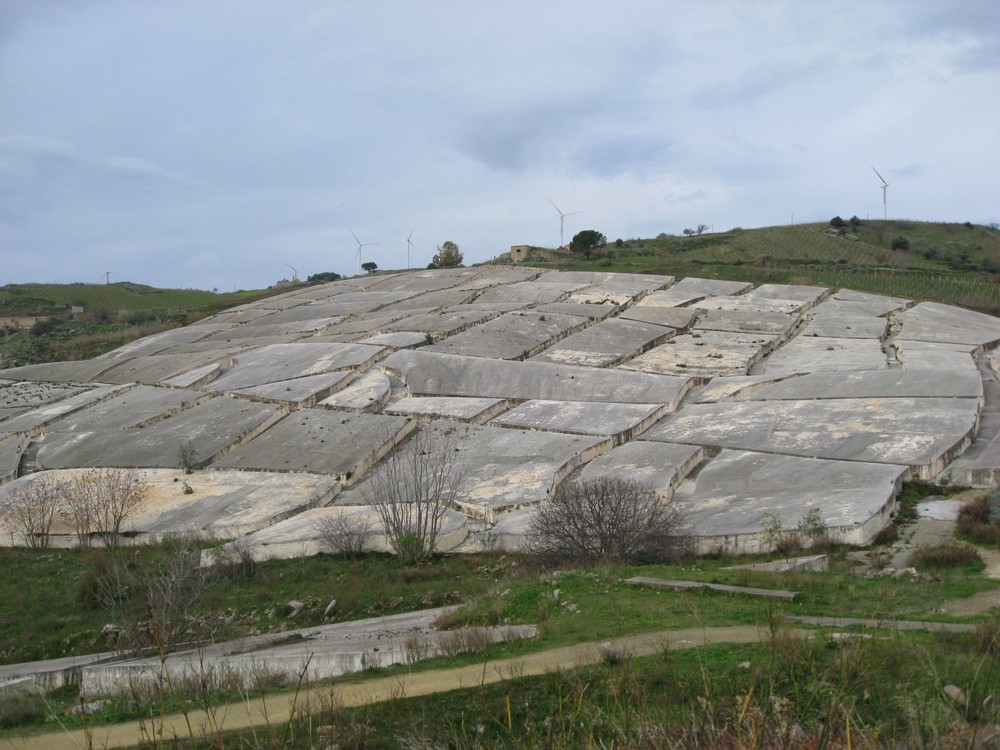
901,243
979,520
606,520
837,223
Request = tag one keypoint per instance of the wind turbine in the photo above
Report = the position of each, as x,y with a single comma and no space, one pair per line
107,277
885,190
409,245
295,273
562,218
357,255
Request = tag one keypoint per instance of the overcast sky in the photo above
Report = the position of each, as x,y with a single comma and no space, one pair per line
208,143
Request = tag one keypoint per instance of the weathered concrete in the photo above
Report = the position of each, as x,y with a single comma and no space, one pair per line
896,383
742,501
704,354
157,368
18,398
931,321
303,391
368,392
922,433
474,410
30,422
663,466
605,344
285,361
619,421
11,450
680,318
321,442
434,374
837,324
689,290
724,588
515,335
811,353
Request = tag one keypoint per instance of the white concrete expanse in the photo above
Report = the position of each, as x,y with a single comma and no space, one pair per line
737,403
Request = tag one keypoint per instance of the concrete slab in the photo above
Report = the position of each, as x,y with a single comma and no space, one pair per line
31,422
162,341
209,427
703,354
746,303
491,276
514,336
929,355
400,340
605,344
320,441
812,353
430,280
59,372
733,388
663,466
811,295
744,321
442,298
530,292
874,384
680,318
922,433
632,285
286,331
11,450
286,361
156,368
368,392
428,373
931,321
619,421
839,324
18,398
591,312
304,391
444,323
743,501
689,290
864,302
474,410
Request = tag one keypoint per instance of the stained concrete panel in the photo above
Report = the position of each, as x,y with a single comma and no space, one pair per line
620,421
368,392
515,335
660,465
286,361
162,341
591,312
304,391
209,428
59,372
893,383
117,408
745,321
529,292
811,295
739,495
841,325
445,323
429,373
157,368
474,410
396,340
18,398
931,321
291,331
436,299
923,433
498,275
864,302
630,284
689,290
745,303
30,422
929,355
680,318
811,353
11,450
605,344
704,354
321,442
426,281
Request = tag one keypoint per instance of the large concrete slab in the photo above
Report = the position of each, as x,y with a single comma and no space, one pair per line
620,421
443,323
930,355
932,321
368,392
18,398
474,410
812,353
31,422
689,290
515,335
286,361
322,442
663,466
531,292
839,324
157,368
893,383
137,437
746,321
605,344
429,373
304,391
922,433
704,354
744,501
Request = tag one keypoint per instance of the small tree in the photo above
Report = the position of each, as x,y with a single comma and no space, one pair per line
837,223
412,489
606,520
587,241
370,266
448,256
347,532
32,509
901,243
100,500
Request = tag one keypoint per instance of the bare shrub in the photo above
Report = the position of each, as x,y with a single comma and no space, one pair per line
413,488
170,590
99,501
347,533
32,509
607,520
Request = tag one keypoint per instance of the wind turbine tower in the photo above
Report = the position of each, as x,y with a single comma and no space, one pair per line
357,255
885,192
562,220
295,274
409,246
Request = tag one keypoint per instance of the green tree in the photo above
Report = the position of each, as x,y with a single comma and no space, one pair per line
448,256
369,266
587,241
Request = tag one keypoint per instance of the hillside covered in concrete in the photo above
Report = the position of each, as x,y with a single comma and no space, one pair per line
747,407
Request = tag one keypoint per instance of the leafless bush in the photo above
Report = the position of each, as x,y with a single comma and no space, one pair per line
99,501
32,509
347,532
171,589
412,489
606,519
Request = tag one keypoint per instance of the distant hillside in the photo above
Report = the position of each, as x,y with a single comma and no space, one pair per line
953,263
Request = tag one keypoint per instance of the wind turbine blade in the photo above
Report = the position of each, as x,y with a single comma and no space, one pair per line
354,235
880,176
555,206
573,213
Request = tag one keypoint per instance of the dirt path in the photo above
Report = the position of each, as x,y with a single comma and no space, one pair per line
274,710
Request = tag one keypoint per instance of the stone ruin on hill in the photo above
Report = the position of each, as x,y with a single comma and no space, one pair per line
747,407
